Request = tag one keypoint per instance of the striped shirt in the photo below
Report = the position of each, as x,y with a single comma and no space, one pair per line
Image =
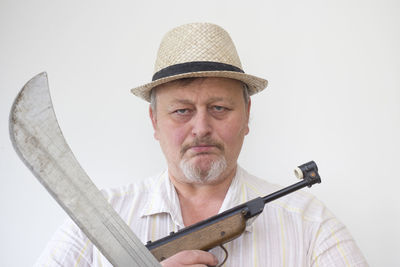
295,230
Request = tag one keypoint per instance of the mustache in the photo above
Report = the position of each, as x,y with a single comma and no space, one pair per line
202,142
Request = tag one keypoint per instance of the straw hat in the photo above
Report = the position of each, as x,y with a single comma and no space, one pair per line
198,50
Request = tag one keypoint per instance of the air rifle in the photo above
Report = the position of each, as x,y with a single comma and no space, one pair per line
228,225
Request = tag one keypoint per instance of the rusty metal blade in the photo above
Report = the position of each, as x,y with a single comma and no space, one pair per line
38,140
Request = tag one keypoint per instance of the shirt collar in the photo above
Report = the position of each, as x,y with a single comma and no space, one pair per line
237,194
164,199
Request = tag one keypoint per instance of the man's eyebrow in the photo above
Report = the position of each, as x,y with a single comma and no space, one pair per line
229,100
175,101
181,101
178,101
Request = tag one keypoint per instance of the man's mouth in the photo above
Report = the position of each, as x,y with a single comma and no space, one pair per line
202,148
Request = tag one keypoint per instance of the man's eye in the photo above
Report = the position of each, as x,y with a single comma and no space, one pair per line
182,111
219,108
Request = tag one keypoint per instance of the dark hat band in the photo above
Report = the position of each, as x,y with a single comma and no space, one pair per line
194,66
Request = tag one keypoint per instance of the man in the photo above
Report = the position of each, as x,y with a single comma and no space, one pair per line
199,107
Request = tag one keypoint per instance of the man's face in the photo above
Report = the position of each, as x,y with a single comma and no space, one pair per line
201,126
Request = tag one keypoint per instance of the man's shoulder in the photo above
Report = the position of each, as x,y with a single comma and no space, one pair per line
255,186
140,188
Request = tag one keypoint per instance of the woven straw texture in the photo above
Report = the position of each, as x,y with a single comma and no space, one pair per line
198,42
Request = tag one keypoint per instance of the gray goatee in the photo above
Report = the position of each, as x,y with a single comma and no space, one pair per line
195,175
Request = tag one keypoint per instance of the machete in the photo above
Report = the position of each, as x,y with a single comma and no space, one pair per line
39,142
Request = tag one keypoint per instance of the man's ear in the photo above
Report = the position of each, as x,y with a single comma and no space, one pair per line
248,108
153,117
248,115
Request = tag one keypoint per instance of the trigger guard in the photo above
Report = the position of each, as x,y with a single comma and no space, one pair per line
226,256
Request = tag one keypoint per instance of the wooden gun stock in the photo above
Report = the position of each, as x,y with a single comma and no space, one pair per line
228,225
203,237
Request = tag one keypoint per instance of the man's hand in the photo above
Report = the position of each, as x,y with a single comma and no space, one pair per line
193,258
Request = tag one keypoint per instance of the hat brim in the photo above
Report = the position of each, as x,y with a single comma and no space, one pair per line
254,83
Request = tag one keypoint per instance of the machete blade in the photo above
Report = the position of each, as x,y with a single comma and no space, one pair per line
38,140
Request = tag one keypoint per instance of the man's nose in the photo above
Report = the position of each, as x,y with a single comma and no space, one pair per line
201,124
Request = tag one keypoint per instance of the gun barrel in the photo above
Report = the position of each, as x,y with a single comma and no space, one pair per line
308,172
285,191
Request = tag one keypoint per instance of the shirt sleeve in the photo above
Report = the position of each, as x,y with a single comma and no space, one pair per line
69,246
334,245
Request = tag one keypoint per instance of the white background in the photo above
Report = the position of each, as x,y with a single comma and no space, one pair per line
333,97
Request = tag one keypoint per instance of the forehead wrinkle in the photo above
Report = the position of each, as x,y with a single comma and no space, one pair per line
193,94
207,101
